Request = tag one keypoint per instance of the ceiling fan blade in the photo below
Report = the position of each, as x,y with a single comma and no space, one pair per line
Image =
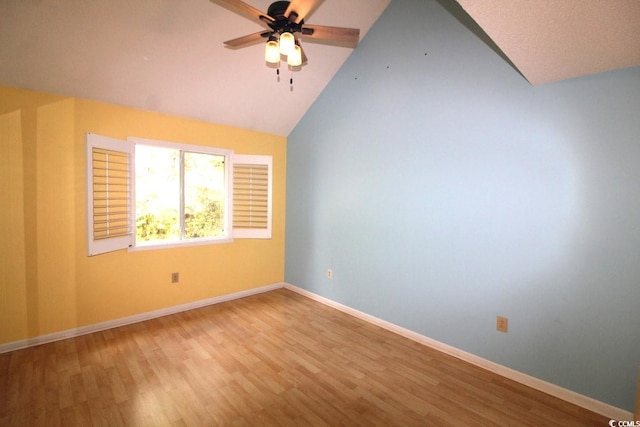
337,36
247,40
302,8
245,10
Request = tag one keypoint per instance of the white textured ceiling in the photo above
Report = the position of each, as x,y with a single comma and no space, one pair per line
551,40
168,56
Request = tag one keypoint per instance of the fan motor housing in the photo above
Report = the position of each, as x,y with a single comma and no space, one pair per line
278,9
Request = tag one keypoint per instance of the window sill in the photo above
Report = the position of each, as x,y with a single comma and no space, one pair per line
179,244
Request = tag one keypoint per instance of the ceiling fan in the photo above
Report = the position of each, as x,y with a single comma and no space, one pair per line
285,27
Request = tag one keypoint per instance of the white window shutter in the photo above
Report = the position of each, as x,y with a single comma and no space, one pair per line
109,194
252,192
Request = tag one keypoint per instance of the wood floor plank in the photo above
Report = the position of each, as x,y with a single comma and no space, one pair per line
274,359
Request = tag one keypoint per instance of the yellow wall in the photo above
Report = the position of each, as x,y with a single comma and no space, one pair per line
49,284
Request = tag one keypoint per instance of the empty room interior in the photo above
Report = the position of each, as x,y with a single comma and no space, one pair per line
453,188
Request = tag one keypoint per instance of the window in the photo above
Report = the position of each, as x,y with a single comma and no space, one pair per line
180,193
144,193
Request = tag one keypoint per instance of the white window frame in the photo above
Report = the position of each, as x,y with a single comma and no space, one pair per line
227,205
95,247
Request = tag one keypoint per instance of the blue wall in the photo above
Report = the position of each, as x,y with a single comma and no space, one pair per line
444,190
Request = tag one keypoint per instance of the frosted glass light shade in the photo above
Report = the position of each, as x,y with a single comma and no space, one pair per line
287,42
272,52
295,57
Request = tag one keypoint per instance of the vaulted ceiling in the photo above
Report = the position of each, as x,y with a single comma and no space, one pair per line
168,56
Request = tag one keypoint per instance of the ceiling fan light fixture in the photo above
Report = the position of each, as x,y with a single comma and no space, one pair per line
282,21
295,57
272,52
287,43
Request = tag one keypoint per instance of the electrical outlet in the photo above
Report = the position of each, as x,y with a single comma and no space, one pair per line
502,324
329,274
175,277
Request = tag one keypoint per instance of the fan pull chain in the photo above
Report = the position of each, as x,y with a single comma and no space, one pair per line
278,73
291,79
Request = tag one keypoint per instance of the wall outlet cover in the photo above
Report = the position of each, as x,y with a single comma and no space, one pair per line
502,324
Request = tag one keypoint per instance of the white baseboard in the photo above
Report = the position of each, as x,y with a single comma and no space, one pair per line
535,383
70,333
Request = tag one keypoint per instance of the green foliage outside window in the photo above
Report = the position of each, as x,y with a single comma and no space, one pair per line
160,226
159,185
205,222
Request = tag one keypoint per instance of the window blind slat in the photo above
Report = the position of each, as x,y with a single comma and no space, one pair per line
111,171
250,191
252,196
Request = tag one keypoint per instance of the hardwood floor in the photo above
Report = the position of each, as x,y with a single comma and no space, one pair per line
272,359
